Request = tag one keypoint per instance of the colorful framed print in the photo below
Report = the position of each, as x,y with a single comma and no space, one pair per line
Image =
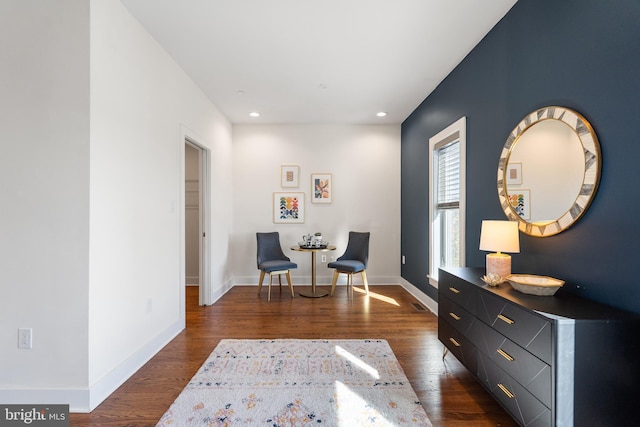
321,188
288,208
514,174
289,176
521,203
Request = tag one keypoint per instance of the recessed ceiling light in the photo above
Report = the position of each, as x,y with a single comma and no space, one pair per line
381,114
254,114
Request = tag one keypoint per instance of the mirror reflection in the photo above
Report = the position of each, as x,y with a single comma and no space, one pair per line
554,180
549,171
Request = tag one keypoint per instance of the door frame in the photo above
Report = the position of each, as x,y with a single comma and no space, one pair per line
189,137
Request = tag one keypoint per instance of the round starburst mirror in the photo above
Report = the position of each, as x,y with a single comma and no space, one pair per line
549,171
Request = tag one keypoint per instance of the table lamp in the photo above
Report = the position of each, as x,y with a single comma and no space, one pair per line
499,236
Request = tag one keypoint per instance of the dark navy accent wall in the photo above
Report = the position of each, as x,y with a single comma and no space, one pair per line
580,54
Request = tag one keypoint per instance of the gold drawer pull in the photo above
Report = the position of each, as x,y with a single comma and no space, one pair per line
454,342
506,391
505,319
506,355
455,316
454,290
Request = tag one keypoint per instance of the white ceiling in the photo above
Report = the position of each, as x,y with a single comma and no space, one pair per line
323,61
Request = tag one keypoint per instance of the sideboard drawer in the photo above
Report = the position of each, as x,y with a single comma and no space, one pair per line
458,345
522,405
523,327
455,315
458,290
531,372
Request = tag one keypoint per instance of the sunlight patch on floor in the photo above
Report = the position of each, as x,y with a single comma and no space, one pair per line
378,296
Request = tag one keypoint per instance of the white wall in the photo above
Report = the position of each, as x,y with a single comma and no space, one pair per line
141,104
365,165
44,198
94,116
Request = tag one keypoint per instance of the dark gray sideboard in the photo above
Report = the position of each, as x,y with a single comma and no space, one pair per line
556,360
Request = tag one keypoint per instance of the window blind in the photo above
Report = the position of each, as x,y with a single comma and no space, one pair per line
448,185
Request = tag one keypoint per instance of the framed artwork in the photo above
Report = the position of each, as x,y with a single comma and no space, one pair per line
521,203
288,208
289,176
514,174
321,191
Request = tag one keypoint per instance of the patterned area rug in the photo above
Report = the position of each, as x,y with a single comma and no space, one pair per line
298,383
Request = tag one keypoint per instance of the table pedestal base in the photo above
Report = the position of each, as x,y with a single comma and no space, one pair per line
318,293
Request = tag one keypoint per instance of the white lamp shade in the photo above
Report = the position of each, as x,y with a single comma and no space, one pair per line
499,236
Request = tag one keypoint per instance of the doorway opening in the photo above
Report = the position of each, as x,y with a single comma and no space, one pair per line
196,219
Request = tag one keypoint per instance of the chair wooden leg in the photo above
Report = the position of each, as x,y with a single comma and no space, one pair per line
269,294
290,285
260,282
335,280
364,280
280,281
350,284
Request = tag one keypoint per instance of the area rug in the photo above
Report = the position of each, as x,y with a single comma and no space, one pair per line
298,383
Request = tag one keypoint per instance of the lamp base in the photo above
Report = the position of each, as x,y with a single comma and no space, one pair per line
500,264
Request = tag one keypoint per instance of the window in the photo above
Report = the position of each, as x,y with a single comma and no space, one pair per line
447,163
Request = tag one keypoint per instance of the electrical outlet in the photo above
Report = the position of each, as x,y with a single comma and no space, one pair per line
25,338
324,258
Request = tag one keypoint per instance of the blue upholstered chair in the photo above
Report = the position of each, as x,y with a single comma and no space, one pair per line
272,261
354,260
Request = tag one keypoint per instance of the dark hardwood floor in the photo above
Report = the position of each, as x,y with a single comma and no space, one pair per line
450,395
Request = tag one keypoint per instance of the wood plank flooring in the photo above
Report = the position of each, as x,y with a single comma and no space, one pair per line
450,395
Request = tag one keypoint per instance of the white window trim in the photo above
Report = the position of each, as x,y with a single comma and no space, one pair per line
459,127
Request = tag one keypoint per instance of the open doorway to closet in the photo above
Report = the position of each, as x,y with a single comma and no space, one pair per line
196,214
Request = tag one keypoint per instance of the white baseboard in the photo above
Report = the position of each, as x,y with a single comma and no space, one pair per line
87,399
420,296
320,280
216,294
102,388
77,399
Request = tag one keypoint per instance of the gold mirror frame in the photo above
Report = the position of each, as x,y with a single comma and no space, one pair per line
592,168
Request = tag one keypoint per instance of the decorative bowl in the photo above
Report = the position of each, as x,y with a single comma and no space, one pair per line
535,285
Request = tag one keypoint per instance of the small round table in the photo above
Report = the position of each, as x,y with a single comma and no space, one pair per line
313,293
